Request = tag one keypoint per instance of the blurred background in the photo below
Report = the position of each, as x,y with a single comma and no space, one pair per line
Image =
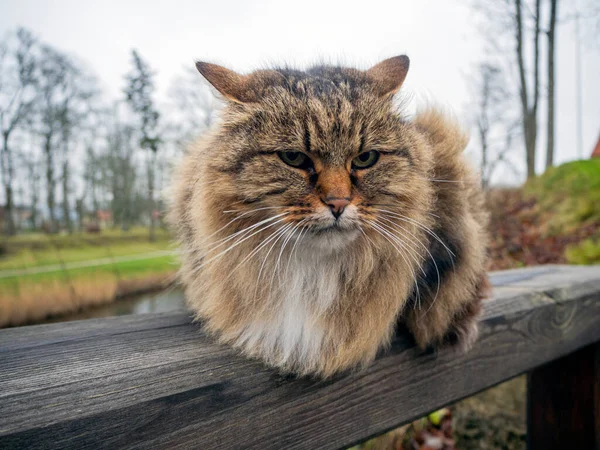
98,101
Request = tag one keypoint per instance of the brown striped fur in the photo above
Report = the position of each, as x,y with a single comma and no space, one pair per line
323,295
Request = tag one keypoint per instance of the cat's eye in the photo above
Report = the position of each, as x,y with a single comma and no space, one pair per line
365,160
296,159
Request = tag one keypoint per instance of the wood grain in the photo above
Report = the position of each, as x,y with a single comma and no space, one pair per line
564,402
156,381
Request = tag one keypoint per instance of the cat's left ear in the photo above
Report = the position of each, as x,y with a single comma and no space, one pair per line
236,87
230,84
389,74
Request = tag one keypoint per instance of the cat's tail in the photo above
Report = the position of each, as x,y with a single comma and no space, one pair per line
443,131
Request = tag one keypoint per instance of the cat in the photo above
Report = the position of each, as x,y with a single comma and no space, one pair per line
315,216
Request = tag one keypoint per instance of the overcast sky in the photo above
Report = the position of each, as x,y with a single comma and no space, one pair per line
440,37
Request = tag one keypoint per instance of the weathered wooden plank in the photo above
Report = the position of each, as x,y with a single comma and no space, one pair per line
164,384
564,402
20,337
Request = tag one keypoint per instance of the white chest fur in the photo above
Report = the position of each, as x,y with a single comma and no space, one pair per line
304,292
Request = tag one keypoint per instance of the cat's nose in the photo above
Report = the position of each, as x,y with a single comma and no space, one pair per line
337,205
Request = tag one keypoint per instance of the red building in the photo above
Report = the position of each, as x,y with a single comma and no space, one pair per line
596,152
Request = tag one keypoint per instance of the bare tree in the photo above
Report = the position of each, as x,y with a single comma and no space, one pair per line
489,93
551,72
192,106
522,20
497,126
17,96
139,91
65,93
119,172
529,105
53,68
78,93
31,164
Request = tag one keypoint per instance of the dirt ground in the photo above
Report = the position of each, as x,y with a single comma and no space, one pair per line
493,419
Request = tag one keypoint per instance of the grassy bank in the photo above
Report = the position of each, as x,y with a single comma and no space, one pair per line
42,241
79,271
567,197
568,203
553,219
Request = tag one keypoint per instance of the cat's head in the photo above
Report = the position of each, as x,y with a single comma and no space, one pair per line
324,150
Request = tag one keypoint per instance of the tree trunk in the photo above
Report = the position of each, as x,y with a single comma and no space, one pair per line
50,184
9,215
530,129
528,109
484,158
80,208
34,201
33,181
7,172
151,205
551,54
95,203
65,199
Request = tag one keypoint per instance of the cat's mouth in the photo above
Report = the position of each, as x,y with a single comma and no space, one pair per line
335,227
332,237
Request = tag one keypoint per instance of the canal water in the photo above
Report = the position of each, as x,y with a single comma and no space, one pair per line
165,301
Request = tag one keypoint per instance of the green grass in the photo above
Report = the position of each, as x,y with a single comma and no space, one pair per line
26,257
585,252
122,270
568,196
38,250
25,251
42,241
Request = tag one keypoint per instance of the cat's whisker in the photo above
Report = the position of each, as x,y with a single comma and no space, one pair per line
441,181
206,238
257,249
393,234
303,230
420,225
229,211
383,233
367,237
370,242
264,243
452,256
378,205
403,255
261,245
439,280
238,242
297,226
228,238
262,266
404,243
206,261
286,239
285,242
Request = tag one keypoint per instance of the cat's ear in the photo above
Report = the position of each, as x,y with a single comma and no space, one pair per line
389,74
230,84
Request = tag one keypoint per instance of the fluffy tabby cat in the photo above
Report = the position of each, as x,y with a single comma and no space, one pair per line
315,216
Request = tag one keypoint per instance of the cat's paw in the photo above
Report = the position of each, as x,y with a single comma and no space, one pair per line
464,328
462,334
436,329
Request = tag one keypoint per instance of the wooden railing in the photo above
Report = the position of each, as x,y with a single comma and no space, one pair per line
155,381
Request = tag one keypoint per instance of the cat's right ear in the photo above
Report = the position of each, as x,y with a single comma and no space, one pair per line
389,74
231,85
